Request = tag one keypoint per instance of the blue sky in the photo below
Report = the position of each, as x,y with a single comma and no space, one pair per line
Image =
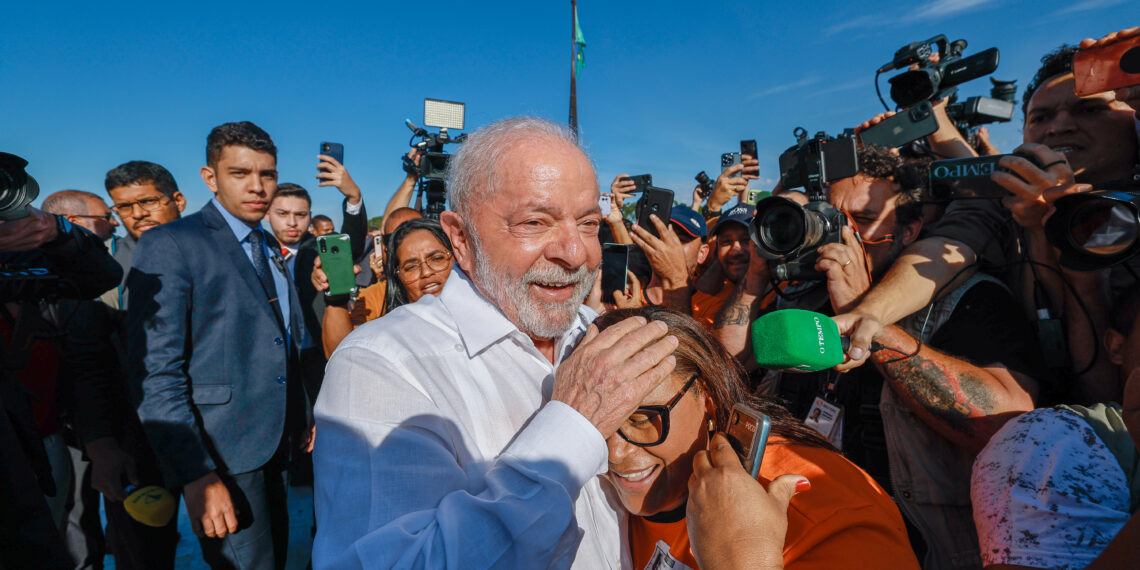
668,86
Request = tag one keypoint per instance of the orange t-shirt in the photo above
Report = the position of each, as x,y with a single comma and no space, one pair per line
369,303
845,520
705,306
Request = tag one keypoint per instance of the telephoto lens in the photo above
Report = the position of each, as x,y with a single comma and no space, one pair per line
17,188
1097,229
789,234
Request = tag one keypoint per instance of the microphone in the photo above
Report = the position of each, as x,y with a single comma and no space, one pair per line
151,505
412,126
794,340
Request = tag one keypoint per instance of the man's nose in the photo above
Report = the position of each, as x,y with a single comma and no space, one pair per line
566,247
1061,123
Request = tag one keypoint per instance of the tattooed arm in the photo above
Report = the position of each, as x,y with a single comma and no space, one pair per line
731,325
964,402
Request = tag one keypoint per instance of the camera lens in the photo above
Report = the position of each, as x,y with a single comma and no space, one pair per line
778,227
1103,227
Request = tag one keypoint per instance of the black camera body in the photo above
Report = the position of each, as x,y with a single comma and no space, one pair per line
433,167
790,234
707,185
1097,229
17,187
932,81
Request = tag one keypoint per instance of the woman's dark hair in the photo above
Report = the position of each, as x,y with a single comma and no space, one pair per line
718,374
396,294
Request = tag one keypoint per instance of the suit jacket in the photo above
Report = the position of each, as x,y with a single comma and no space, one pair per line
207,351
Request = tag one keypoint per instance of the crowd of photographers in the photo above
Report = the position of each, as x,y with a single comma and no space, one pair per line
981,409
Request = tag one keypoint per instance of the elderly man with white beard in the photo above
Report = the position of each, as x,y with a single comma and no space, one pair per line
459,431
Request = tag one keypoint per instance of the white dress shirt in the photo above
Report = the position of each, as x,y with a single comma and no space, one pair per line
438,447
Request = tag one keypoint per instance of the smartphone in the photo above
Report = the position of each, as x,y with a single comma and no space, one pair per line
335,251
968,178
378,247
642,181
605,204
654,201
755,196
748,434
335,150
903,127
615,263
748,147
728,160
1109,67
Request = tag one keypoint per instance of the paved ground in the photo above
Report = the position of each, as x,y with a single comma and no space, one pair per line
189,556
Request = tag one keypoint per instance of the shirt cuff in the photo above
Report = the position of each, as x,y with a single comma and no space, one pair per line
559,435
353,209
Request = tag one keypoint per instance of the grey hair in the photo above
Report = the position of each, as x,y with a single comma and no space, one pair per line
69,202
471,171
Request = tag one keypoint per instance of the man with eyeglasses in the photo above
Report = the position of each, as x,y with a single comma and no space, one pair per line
83,209
144,195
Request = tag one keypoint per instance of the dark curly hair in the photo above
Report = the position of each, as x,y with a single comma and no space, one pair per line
244,134
910,174
1054,63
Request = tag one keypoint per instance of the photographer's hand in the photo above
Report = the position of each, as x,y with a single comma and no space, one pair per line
948,140
846,267
333,173
727,186
1031,201
732,520
750,167
610,372
29,232
697,199
622,189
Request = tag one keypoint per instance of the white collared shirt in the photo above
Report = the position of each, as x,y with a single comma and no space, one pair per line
439,447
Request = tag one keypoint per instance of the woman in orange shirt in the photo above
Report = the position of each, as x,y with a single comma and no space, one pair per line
845,519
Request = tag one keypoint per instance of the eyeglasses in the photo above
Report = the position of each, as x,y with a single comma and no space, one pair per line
148,204
105,217
649,425
437,261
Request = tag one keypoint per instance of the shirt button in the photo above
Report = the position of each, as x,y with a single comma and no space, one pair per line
279,341
280,379
906,494
459,348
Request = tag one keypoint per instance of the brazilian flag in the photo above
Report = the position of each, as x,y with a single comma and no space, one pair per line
579,46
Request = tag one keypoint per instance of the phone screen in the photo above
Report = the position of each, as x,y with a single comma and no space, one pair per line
615,262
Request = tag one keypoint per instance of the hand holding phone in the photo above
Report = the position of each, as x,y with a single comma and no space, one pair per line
747,432
335,251
727,161
657,201
1113,62
335,150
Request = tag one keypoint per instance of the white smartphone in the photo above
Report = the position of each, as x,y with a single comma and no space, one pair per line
378,247
604,202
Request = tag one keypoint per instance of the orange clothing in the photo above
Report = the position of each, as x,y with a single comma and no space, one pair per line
369,303
845,520
705,306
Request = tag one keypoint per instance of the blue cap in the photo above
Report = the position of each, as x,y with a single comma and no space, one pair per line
740,214
692,222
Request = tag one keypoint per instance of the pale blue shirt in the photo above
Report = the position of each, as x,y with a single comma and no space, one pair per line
280,277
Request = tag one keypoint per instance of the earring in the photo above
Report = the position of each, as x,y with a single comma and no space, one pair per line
712,426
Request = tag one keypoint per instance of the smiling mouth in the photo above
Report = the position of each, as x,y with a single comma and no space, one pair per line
635,476
428,288
1066,149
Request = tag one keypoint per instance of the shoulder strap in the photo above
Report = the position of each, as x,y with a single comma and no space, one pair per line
1106,421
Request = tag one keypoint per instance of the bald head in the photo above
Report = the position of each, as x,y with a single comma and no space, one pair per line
84,209
397,217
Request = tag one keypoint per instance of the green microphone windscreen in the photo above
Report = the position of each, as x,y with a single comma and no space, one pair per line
151,505
795,340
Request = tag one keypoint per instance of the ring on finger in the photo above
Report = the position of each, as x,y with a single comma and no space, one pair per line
846,263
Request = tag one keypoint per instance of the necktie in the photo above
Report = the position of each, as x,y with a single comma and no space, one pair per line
261,264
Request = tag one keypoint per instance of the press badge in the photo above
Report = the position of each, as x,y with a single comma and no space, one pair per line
827,419
662,560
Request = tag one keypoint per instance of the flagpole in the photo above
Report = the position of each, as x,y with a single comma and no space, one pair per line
573,67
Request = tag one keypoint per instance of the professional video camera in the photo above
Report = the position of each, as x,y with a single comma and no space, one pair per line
432,170
17,187
933,81
788,233
1098,229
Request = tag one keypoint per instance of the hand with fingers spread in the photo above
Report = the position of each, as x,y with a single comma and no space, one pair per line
331,172
845,264
666,255
1031,185
210,507
610,372
732,520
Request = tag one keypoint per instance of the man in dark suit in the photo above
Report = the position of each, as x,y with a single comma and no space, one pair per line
215,328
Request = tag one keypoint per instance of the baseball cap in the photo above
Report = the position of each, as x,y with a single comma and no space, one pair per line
690,221
740,214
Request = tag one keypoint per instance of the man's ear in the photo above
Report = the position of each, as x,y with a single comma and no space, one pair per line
1114,344
179,200
909,233
702,253
210,177
461,246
